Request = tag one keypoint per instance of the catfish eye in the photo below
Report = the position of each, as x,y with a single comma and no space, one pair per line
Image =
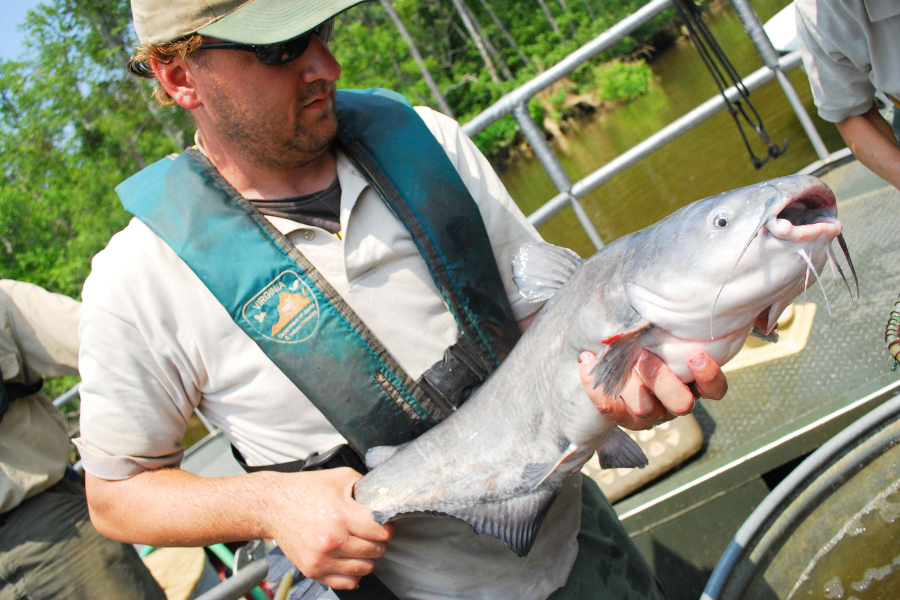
720,219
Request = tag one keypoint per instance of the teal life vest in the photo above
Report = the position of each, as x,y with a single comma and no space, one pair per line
285,305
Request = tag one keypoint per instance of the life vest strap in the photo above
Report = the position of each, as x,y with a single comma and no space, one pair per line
11,390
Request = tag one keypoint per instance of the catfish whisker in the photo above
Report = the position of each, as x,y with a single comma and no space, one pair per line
843,244
829,258
835,266
806,280
811,266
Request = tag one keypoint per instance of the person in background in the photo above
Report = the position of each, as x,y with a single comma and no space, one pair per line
849,50
275,277
48,548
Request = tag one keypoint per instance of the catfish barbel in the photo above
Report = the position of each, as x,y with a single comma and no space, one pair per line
697,280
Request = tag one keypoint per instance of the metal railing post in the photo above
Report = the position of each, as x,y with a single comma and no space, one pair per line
67,396
753,27
544,153
659,139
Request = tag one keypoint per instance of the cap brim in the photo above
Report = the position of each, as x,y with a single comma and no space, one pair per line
272,21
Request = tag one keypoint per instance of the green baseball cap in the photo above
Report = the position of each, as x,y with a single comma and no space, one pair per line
243,21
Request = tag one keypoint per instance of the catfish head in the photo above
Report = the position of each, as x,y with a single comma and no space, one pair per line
714,268
700,279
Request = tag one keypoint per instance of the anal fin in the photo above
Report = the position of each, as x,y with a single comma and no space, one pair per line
515,521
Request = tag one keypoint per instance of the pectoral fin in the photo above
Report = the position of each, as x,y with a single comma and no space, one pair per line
620,451
537,473
622,350
766,337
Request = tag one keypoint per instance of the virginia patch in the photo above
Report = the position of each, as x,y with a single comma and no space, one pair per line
285,311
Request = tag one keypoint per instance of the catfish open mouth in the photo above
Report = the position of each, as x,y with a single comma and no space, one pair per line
805,217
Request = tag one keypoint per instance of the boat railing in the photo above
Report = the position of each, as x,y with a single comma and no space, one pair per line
515,103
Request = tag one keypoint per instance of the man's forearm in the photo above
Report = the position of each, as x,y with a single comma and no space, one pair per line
872,141
171,507
320,528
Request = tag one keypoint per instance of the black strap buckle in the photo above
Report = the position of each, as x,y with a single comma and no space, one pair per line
11,390
452,380
339,456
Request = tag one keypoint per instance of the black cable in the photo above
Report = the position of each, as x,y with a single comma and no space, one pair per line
716,62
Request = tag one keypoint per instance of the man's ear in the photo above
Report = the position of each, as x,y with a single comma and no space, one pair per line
178,80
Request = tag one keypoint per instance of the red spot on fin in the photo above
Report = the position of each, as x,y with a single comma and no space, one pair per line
614,338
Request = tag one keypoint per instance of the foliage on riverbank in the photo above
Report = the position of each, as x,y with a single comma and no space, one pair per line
73,123
610,84
471,78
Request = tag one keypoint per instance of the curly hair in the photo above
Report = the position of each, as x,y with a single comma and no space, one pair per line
139,64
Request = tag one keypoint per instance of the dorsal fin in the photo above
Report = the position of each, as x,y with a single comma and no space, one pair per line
540,269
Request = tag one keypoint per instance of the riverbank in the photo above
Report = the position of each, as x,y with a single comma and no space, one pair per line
564,107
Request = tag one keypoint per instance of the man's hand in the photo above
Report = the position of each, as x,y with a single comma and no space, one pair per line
328,536
654,394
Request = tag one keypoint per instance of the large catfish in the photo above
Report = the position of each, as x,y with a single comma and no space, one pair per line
698,279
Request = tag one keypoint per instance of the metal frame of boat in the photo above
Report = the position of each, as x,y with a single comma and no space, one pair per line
684,521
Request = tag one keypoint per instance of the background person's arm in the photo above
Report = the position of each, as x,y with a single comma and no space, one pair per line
872,141
44,325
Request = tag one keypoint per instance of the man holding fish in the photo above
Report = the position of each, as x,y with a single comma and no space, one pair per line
321,268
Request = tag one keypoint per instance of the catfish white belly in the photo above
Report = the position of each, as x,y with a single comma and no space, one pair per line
698,279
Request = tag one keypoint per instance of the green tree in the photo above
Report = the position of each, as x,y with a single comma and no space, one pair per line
414,51
73,124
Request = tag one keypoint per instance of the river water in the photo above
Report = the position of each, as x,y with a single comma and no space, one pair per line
708,159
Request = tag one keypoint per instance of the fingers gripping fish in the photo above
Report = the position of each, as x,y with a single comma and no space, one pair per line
699,279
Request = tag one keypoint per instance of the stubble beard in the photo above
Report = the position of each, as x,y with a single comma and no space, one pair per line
269,144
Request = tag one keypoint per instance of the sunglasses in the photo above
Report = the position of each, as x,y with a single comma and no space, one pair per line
282,52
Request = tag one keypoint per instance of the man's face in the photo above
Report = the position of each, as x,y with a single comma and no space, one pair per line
277,117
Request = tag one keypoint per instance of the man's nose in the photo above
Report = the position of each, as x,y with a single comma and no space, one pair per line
318,62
